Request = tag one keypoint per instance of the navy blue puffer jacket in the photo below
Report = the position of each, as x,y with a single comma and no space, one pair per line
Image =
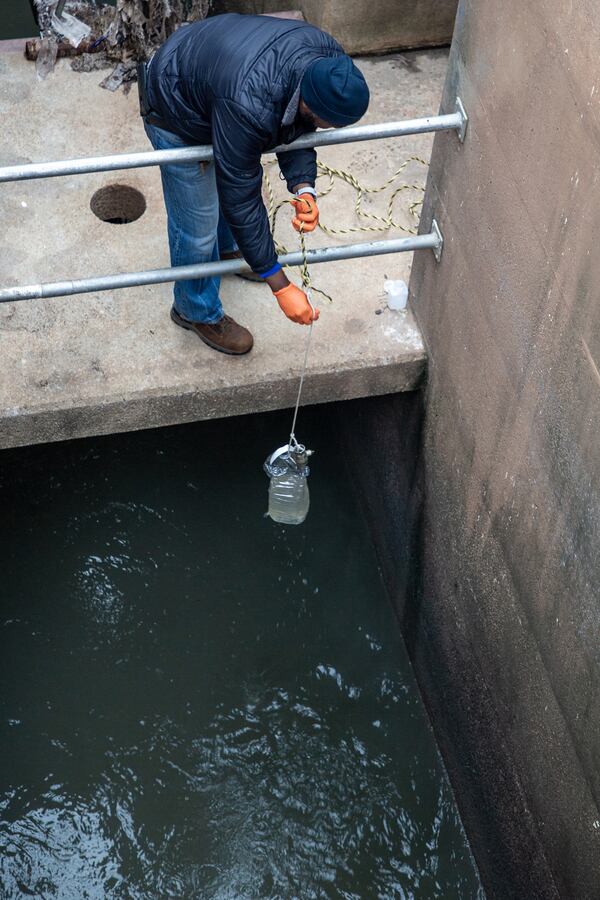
230,80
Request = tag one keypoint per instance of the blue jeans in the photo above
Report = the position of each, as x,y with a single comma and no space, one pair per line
197,231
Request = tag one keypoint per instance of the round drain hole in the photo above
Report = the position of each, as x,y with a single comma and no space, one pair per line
118,204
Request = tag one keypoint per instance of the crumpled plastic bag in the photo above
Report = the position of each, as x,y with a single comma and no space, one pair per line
70,28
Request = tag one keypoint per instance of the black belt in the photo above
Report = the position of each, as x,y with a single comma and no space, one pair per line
146,111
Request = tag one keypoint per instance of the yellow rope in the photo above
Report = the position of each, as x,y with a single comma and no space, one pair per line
386,222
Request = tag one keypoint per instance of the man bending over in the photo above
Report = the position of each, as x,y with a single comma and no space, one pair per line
244,84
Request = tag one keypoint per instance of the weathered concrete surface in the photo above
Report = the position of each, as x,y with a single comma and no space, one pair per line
505,629
107,362
366,26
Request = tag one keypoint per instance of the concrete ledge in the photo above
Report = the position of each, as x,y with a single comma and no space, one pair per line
151,409
100,363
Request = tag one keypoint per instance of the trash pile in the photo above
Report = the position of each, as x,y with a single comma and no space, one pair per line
99,36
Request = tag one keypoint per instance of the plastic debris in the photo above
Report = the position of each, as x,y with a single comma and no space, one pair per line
116,37
46,58
397,293
288,472
123,73
71,28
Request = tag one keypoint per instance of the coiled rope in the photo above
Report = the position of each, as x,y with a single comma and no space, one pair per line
386,222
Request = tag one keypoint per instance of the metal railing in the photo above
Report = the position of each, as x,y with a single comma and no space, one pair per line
456,121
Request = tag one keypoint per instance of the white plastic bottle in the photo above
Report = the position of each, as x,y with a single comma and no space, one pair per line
289,498
397,294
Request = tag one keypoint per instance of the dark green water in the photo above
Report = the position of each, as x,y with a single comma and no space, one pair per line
196,702
17,20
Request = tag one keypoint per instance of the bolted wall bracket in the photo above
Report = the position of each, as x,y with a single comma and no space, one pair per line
462,128
439,245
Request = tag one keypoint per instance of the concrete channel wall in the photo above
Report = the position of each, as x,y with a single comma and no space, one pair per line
366,26
504,628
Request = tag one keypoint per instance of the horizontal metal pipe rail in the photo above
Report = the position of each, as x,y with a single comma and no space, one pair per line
432,241
455,121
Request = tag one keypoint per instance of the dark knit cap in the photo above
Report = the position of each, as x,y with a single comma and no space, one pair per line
335,90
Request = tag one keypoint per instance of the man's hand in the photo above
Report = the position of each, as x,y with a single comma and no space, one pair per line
294,303
307,213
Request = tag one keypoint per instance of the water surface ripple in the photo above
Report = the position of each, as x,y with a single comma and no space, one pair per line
196,702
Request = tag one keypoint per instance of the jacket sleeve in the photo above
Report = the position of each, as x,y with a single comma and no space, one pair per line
237,148
298,166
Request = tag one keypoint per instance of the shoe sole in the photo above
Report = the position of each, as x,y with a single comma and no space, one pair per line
190,327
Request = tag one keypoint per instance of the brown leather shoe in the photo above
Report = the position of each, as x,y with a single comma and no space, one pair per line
225,335
247,276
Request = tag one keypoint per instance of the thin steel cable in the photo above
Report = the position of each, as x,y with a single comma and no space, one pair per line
293,442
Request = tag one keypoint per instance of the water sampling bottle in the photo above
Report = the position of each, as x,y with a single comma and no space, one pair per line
288,471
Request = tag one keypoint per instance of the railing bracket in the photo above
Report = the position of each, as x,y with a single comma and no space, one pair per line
462,129
439,246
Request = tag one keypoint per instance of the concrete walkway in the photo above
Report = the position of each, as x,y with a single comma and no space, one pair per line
100,363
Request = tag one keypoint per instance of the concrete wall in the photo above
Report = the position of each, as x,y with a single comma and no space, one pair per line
366,26
505,629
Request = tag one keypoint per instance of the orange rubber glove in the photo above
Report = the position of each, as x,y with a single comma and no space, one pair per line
294,303
307,212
